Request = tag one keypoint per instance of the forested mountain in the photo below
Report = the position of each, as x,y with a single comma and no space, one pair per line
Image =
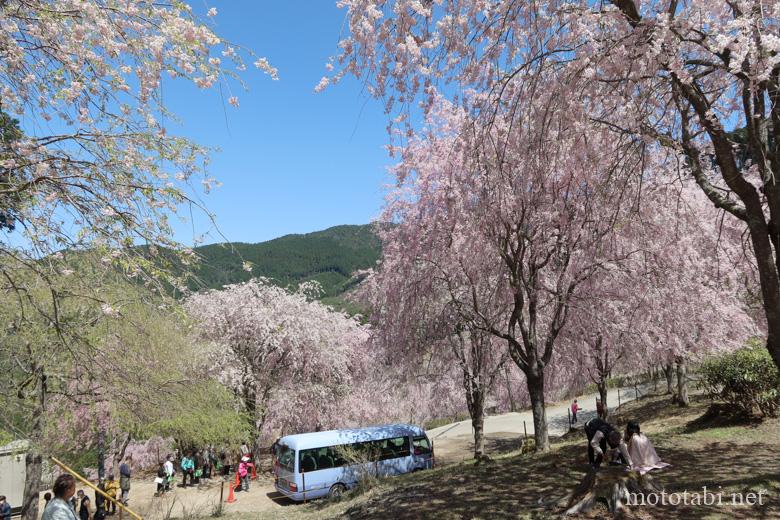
329,257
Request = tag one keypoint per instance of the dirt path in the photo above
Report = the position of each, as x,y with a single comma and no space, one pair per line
203,500
455,442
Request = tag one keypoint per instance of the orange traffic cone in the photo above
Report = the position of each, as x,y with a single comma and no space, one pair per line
231,498
254,472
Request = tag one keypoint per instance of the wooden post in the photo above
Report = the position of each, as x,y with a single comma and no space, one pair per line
221,490
568,412
97,490
636,392
618,397
525,430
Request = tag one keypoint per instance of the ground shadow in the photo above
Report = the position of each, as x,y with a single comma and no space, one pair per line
516,486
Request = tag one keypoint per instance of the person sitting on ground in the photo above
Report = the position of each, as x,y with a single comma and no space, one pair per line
599,435
112,490
641,450
60,507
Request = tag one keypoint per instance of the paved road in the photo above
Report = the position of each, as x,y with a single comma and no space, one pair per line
557,418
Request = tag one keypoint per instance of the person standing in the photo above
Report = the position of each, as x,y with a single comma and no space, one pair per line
187,469
207,463
244,450
224,463
243,473
60,506
198,459
574,409
125,472
100,501
112,488
75,500
5,508
84,507
160,480
169,472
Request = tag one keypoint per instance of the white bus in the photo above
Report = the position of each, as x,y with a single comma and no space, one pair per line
318,464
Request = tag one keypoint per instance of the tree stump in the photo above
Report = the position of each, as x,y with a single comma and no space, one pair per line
612,484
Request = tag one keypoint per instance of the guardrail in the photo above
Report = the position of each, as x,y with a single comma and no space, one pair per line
86,482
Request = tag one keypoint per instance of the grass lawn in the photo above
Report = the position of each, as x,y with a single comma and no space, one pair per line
705,449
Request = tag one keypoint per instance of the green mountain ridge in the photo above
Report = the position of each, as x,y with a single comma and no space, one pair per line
329,257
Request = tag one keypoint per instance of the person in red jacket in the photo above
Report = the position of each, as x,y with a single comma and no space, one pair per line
574,409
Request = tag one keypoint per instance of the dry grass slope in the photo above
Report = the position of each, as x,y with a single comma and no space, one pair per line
713,450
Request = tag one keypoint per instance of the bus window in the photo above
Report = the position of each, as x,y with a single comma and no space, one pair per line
393,448
286,458
422,446
308,460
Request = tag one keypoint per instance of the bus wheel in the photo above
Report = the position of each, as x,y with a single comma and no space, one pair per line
336,490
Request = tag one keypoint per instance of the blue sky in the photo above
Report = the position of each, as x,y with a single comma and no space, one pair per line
291,160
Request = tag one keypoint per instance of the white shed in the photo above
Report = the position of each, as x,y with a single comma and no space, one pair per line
12,472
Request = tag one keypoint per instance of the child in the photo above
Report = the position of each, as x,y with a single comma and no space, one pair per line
160,480
112,490
243,473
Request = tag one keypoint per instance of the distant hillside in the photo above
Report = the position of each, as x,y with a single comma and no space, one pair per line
329,257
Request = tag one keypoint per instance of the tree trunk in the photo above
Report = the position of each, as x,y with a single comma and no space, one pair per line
119,455
512,407
655,378
669,373
33,462
535,382
478,422
611,484
602,386
682,382
767,263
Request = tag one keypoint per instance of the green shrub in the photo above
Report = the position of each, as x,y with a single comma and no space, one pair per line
747,379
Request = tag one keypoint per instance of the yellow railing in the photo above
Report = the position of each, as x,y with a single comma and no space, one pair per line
86,482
